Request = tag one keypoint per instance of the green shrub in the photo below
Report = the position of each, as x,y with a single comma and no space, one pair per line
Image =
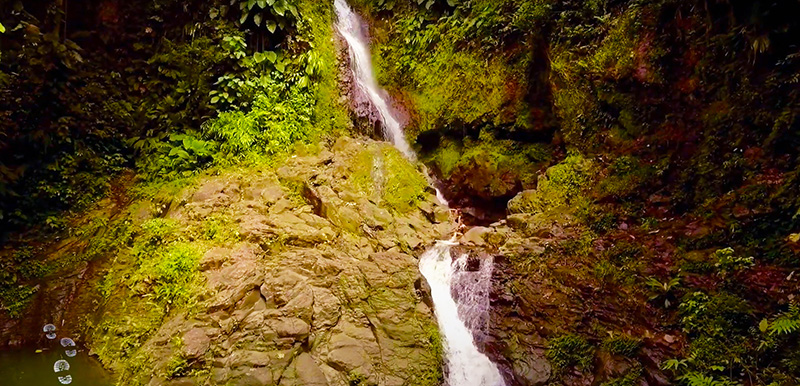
624,345
721,314
570,350
630,378
725,262
174,274
15,300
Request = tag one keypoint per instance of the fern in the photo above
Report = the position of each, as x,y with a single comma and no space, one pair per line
698,379
787,322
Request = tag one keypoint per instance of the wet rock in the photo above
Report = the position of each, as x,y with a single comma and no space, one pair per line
294,328
521,202
214,258
475,236
303,371
326,308
209,190
195,343
232,282
375,216
533,370
347,355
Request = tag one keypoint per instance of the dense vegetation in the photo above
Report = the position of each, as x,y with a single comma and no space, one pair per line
166,87
644,120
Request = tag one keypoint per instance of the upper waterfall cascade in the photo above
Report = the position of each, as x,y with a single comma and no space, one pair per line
351,28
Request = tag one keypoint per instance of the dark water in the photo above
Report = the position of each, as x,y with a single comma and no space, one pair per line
24,367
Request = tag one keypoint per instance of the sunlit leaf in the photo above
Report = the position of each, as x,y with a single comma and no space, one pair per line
279,9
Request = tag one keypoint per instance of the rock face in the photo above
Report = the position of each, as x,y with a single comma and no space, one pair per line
537,296
318,287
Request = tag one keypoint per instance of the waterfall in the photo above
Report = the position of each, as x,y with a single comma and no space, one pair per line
466,365
458,320
352,29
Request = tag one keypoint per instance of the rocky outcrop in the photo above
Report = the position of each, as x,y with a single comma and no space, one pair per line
314,284
321,290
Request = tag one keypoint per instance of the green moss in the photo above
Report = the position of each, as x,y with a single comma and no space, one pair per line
384,170
330,116
220,229
429,370
616,55
173,275
405,185
488,166
563,185
177,366
446,81
447,157
294,190
362,168
626,176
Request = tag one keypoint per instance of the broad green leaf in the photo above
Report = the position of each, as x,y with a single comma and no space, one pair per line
2,28
251,4
214,100
213,13
271,56
303,82
279,9
293,10
262,3
244,18
271,26
257,19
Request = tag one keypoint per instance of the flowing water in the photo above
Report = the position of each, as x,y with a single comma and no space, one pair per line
465,316
353,30
466,365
